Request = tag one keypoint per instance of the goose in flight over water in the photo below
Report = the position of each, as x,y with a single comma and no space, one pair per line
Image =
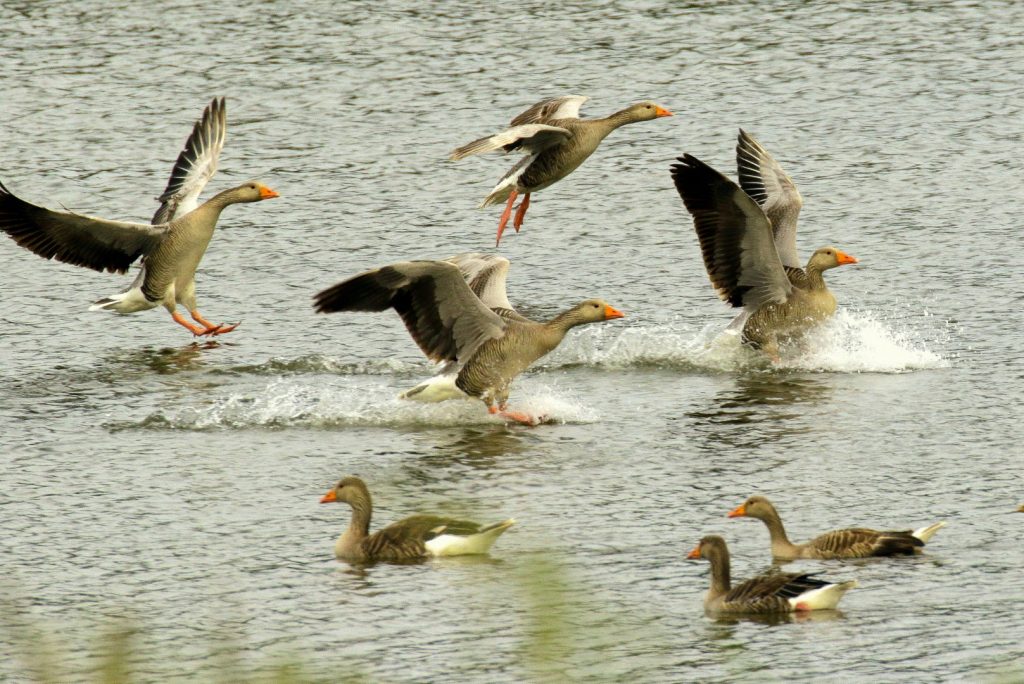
458,313
170,248
556,141
747,235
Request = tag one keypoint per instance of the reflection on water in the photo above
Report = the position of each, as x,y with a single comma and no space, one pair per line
760,408
772,619
163,361
479,447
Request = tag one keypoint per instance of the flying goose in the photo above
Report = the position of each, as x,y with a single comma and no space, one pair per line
458,313
556,140
854,542
747,236
409,539
170,248
777,592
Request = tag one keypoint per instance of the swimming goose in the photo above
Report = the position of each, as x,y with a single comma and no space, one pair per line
747,236
854,542
413,538
556,141
777,592
458,313
171,248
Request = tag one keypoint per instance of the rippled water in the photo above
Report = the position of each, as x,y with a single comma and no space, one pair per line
177,484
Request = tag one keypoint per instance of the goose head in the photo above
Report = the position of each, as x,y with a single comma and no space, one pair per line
594,311
754,507
251,191
829,257
351,490
645,111
711,547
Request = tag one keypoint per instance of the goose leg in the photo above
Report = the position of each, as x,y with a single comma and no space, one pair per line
180,320
211,328
521,212
503,221
517,416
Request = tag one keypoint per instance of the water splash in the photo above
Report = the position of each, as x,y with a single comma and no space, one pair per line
850,342
289,402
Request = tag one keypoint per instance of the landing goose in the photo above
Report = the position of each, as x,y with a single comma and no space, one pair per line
458,313
747,236
556,141
413,538
854,542
777,592
170,249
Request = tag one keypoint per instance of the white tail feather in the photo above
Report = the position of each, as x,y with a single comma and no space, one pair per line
824,598
457,545
926,533
129,301
437,388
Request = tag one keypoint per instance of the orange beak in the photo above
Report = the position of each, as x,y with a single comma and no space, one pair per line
737,512
329,497
267,193
844,258
611,312
695,554
661,111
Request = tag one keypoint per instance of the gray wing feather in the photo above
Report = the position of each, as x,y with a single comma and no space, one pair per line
545,111
735,236
196,164
486,275
442,314
763,179
95,243
530,137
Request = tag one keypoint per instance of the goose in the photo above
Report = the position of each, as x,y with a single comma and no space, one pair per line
171,247
854,542
556,141
458,312
747,235
777,592
413,538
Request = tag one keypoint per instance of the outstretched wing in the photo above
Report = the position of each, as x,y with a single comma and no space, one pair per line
77,239
735,236
196,164
763,179
442,314
546,111
530,137
486,275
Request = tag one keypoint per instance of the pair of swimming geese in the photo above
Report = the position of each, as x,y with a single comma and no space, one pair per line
423,536
457,310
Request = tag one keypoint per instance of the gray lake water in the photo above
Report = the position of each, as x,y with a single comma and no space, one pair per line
176,486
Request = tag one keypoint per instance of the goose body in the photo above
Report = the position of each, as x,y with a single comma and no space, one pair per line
458,313
747,235
410,539
170,248
778,592
555,141
854,542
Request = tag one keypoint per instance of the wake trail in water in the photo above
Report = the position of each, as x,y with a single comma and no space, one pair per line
323,392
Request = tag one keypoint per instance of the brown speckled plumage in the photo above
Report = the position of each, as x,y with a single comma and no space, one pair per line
405,540
767,593
854,542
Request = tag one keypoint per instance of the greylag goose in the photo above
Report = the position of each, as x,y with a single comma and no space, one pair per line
171,248
413,538
777,592
458,313
854,542
747,236
556,141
